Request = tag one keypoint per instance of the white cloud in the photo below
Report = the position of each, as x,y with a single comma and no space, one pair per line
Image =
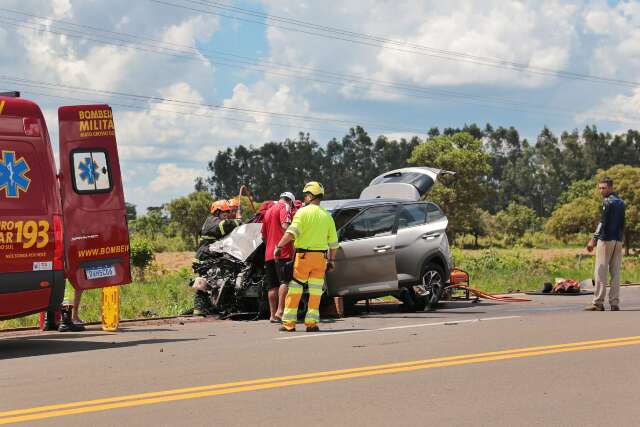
171,177
624,109
61,8
617,48
187,32
196,133
534,33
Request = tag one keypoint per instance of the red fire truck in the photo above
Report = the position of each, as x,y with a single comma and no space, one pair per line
70,225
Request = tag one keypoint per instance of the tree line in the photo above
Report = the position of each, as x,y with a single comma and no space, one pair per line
343,166
533,174
505,187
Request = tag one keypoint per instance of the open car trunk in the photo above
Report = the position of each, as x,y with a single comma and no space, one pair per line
411,183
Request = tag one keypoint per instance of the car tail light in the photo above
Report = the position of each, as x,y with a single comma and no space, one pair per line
58,251
31,126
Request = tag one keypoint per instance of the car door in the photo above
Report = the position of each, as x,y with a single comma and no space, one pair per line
365,262
421,234
95,228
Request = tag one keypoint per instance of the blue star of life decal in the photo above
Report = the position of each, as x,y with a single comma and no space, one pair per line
13,175
89,170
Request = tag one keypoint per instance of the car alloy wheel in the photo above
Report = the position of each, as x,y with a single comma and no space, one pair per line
427,293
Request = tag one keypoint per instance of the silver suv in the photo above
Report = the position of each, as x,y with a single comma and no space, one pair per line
392,246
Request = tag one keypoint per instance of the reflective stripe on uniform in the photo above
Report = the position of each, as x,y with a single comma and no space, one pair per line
309,268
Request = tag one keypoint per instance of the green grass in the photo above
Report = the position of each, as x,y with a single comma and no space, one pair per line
160,295
538,240
517,270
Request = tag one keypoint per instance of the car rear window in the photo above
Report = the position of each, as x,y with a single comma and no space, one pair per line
418,214
434,213
421,181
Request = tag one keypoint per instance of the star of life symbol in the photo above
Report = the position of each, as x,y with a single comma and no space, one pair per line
89,170
13,175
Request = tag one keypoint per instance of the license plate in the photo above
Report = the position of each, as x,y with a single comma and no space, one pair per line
100,272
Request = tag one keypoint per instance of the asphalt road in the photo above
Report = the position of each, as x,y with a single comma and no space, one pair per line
544,362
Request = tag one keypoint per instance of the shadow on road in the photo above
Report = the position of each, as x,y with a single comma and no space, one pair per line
400,317
14,348
446,307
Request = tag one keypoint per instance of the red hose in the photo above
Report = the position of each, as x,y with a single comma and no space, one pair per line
485,295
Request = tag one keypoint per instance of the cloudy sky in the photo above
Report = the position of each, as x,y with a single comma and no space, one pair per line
187,78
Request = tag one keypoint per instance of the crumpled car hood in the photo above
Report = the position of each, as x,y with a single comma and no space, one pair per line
241,243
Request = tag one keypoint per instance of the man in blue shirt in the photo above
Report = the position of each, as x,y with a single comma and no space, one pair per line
608,240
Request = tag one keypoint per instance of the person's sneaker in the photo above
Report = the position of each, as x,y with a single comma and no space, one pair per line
313,328
615,308
285,329
594,307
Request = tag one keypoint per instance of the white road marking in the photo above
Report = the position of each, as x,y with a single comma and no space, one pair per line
390,328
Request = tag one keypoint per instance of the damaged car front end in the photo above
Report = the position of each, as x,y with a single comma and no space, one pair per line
232,275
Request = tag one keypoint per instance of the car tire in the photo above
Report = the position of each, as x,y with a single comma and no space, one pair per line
432,276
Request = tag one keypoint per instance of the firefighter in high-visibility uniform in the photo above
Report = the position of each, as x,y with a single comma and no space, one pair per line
316,242
216,226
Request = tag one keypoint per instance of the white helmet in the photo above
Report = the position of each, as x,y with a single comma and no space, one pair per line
288,195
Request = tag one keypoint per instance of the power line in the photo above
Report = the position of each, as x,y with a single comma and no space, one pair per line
384,43
416,91
248,61
190,104
253,61
171,111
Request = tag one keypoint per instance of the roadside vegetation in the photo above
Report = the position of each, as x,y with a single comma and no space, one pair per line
516,208
162,294
519,270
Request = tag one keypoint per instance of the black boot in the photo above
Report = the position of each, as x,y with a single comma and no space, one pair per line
66,324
